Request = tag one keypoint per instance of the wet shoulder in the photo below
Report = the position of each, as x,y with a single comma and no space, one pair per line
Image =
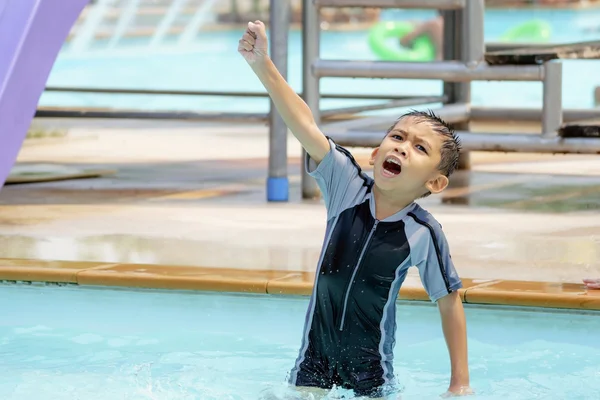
424,218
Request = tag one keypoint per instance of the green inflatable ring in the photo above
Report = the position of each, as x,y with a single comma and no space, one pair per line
530,31
422,49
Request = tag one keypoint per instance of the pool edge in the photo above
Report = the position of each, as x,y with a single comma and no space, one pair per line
151,276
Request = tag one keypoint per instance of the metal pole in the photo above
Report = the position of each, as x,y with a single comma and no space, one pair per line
277,181
311,32
435,4
487,141
531,114
552,112
473,36
351,96
49,112
452,52
472,53
463,90
449,71
452,113
381,106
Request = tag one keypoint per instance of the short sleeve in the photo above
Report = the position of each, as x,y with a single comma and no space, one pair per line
430,253
340,178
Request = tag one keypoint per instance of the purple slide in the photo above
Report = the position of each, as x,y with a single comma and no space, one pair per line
32,33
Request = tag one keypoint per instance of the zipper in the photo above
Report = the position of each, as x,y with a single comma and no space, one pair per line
362,253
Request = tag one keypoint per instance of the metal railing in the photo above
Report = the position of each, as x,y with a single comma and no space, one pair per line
389,101
463,41
463,34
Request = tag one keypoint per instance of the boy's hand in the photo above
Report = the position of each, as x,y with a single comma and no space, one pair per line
253,45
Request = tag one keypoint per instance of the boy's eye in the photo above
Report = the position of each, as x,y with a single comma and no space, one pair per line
421,148
398,137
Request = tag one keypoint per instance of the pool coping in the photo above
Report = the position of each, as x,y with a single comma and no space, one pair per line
281,282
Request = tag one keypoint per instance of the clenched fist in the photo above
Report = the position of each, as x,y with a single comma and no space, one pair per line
253,45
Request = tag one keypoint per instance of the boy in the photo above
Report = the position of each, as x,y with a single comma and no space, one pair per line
375,232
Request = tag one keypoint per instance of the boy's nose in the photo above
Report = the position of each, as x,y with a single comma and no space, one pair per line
401,150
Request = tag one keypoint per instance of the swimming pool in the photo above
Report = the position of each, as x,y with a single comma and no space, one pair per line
211,62
100,344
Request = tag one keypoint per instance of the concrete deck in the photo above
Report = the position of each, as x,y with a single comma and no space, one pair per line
193,195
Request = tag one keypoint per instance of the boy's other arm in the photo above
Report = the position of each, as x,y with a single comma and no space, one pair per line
455,332
430,251
294,111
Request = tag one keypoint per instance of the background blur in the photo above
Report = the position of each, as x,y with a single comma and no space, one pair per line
192,45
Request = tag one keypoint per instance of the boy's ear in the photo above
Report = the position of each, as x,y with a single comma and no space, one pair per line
373,154
437,184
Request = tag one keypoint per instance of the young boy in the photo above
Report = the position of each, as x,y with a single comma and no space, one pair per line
375,232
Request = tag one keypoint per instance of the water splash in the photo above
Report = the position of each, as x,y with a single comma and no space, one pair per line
127,17
86,34
198,20
163,27
288,392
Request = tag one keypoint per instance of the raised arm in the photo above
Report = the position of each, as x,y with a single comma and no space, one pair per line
294,111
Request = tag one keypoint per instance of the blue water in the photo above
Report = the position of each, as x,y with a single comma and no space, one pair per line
99,344
212,63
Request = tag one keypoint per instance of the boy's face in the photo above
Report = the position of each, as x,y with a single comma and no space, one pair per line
407,159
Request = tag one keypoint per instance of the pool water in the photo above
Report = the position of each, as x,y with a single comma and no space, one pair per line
212,62
103,344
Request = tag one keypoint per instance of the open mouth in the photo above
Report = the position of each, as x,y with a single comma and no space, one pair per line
391,167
